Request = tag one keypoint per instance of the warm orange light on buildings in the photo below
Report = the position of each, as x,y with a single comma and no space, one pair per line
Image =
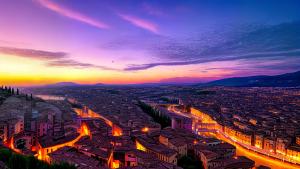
88,113
258,146
145,129
205,118
44,151
255,155
116,164
195,142
117,131
91,114
139,146
231,136
280,152
33,148
39,155
10,144
84,130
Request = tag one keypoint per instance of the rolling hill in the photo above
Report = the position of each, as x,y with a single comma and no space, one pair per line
283,80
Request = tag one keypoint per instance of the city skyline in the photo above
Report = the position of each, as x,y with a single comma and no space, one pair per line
126,42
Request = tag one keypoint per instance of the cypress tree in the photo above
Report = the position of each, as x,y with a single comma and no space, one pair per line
17,91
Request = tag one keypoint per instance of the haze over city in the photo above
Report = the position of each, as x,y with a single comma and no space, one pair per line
126,42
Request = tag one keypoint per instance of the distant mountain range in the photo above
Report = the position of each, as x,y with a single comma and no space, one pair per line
71,84
284,80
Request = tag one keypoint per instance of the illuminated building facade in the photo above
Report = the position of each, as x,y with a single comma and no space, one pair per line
43,151
139,146
281,145
258,141
176,144
298,140
293,153
244,137
270,145
162,153
116,130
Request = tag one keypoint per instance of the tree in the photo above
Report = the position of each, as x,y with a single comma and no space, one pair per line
34,163
17,162
18,92
5,155
163,120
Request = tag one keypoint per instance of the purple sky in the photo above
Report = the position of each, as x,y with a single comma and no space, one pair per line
45,41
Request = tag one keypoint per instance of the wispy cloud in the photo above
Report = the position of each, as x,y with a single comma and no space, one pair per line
141,23
263,44
32,53
72,14
249,56
76,64
53,59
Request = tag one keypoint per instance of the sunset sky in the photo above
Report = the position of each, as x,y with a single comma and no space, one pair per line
127,41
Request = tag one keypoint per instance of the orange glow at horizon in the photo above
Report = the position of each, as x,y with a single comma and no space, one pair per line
15,70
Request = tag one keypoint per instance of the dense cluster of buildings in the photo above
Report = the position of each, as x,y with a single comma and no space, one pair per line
262,119
28,125
117,133
142,142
